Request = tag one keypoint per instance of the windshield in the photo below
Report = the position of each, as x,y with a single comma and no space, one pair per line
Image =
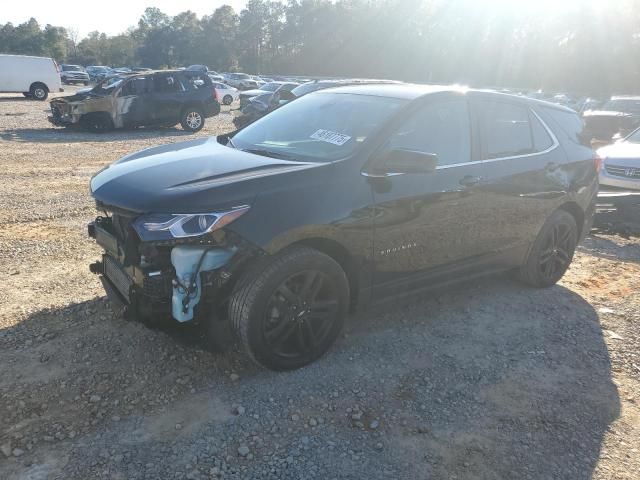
634,137
108,85
623,105
71,68
303,89
322,127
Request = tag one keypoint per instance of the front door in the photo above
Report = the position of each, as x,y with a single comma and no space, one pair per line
430,220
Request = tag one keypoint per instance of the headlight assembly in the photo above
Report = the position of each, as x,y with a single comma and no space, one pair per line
161,226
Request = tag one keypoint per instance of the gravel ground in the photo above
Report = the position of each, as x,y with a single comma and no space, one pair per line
483,381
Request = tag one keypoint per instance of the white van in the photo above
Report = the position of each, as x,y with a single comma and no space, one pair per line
34,77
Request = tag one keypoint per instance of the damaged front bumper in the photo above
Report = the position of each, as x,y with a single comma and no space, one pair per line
61,115
185,283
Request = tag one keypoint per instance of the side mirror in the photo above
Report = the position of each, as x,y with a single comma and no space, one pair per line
399,160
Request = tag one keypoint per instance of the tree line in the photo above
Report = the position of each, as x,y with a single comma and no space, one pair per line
588,47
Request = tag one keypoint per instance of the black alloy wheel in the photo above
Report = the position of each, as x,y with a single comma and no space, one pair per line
300,315
552,251
290,308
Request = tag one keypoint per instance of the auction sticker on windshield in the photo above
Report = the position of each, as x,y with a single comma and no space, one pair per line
331,137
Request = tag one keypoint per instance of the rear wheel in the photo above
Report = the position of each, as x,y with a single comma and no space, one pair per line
552,251
291,310
192,119
39,91
227,99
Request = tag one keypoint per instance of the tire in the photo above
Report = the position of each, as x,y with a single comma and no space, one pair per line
98,122
552,251
192,119
39,91
290,309
227,99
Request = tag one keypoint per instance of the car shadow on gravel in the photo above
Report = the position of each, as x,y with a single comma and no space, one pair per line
484,380
77,135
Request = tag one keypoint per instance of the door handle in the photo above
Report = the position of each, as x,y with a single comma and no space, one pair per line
469,181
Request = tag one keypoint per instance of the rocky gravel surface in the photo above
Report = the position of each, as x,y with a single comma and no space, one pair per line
482,381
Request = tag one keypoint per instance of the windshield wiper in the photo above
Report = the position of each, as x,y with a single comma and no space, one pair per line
269,153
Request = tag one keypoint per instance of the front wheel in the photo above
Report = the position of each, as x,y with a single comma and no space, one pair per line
227,100
99,122
291,310
192,119
552,251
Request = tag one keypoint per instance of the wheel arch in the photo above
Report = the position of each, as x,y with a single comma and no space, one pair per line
37,83
577,213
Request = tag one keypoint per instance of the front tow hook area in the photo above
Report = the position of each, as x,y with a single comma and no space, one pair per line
97,268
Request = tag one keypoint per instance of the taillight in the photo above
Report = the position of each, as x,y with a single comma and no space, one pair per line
597,162
216,95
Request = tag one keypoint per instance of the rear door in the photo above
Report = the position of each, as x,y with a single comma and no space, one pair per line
134,102
170,92
428,223
524,178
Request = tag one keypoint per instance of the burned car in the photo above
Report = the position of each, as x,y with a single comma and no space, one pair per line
343,196
163,98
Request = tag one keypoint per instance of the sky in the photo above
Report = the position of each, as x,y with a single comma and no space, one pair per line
109,16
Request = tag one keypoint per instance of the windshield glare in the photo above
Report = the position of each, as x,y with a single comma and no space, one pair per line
270,87
71,68
108,85
319,127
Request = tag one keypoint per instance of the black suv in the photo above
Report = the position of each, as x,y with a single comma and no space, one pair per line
162,98
343,196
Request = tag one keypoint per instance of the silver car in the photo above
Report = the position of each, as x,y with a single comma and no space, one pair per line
621,163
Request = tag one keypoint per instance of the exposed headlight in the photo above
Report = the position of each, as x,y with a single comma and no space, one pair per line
160,226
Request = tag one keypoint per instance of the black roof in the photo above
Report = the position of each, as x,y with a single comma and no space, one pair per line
410,91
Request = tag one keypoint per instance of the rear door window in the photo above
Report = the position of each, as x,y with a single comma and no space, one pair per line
510,130
168,84
442,127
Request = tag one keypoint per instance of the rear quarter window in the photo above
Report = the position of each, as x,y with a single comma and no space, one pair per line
569,123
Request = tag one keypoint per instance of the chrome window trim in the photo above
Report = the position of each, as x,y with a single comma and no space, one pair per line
553,146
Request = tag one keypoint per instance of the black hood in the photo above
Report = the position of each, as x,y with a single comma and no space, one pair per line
189,177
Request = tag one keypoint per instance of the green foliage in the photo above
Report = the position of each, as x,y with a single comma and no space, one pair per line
587,47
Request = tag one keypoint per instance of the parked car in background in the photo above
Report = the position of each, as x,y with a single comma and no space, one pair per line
241,81
141,69
621,164
260,105
603,126
624,103
34,77
271,87
73,74
226,94
201,69
97,73
161,98
341,197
